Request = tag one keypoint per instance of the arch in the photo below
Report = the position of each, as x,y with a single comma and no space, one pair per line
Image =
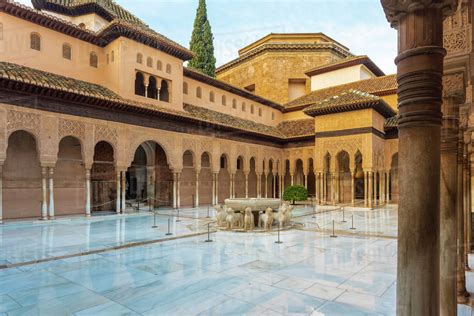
112,55
164,92
252,109
252,177
70,177
244,107
343,177
21,177
224,100
82,26
168,68
149,178
205,179
239,179
299,173
259,111
311,178
159,65
188,179
67,51
199,92
185,88
359,176
211,96
35,41
234,103
93,60
1,31
152,91
149,62
224,178
139,84
139,58
287,175
103,178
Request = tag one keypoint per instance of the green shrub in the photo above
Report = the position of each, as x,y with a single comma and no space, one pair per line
295,193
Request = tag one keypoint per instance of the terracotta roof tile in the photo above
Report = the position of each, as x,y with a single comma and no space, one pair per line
350,100
297,128
377,86
391,122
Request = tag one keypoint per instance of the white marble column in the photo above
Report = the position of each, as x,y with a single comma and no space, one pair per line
88,192
217,188
352,188
259,185
51,193
119,191
366,189
178,189
266,184
305,181
292,179
232,182
324,189
387,195
196,202
124,191
371,191
213,189
247,185
375,188
44,193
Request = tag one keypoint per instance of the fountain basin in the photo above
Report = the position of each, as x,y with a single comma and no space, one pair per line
256,204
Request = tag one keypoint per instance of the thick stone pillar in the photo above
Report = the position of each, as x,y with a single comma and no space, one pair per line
370,186
352,188
196,201
461,256
448,181
88,192
124,192
246,185
420,71
51,193
259,185
150,185
44,193
118,192
1,193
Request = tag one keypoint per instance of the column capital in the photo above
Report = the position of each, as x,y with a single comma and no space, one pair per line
395,10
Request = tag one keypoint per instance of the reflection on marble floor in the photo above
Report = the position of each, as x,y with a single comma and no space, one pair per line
310,273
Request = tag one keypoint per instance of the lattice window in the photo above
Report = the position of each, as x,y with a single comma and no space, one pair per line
93,60
139,58
35,41
67,51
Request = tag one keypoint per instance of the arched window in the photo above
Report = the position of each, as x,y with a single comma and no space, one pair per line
149,62
168,68
198,92
259,112
107,58
35,41
139,84
139,58
234,103
1,31
67,51
113,56
244,107
185,87
82,25
152,91
252,109
224,101
93,60
159,65
164,93
211,96
273,116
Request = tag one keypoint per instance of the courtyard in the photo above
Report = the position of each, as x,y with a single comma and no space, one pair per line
120,264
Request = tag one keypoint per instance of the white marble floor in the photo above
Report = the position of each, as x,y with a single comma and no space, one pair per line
309,273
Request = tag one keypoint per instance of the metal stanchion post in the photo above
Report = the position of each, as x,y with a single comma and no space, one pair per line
169,223
208,216
178,220
154,221
208,233
314,211
333,234
343,216
352,227
278,241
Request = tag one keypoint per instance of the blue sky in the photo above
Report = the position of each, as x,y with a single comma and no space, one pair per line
357,24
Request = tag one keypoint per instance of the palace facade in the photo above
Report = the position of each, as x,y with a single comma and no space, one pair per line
97,112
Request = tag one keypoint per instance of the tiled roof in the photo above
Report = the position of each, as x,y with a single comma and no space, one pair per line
232,121
377,86
391,122
37,78
196,75
350,100
297,128
117,27
108,9
347,62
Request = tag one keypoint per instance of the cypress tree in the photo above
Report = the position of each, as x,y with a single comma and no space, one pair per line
202,43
